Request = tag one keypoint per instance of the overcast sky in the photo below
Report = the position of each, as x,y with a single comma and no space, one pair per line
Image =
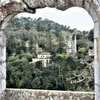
74,17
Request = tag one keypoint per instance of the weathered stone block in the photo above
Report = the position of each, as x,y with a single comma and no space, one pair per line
25,94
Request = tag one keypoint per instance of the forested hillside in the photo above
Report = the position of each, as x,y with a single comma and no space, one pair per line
66,71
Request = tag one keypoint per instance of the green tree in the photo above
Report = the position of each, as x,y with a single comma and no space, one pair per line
61,44
49,42
91,35
82,50
27,26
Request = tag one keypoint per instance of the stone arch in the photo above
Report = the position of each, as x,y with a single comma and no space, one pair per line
9,8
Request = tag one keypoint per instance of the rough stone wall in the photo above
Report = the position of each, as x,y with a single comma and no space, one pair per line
2,96
9,8
2,62
24,94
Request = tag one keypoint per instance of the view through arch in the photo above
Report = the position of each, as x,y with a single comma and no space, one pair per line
93,13
33,40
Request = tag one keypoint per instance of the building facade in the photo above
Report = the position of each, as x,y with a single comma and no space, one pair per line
44,57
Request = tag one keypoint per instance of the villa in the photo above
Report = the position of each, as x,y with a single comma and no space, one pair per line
44,57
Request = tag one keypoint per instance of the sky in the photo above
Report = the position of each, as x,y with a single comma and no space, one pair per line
74,17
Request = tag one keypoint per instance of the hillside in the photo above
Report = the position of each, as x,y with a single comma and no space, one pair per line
26,38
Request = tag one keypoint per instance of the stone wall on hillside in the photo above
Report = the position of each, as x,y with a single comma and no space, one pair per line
25,94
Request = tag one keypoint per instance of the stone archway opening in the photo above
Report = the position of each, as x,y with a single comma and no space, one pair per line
8,9
18,30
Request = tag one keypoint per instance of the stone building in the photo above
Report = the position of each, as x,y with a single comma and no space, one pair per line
91,52
44,57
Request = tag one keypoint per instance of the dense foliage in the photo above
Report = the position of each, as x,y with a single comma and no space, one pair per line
66,72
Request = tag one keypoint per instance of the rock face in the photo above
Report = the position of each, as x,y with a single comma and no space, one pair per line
9,8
